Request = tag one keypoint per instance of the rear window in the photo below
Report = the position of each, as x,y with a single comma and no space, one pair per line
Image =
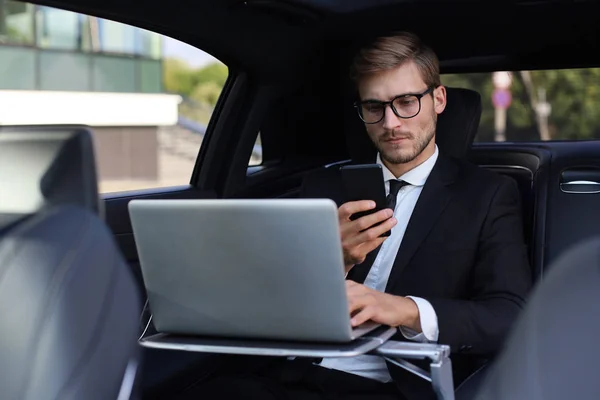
535,105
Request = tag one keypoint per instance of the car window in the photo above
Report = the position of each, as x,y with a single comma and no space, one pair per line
535,105
147,98
256,157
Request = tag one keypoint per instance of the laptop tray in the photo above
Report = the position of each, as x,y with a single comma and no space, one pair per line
361,345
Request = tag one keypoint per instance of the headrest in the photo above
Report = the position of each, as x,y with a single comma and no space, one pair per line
46,166
456,127
458,124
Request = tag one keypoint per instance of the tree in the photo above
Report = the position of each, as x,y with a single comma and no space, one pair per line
575,98
573,95
215,72
177,77
207,93
202,85
180,78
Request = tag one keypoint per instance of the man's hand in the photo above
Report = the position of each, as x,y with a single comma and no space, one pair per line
359,237
367,304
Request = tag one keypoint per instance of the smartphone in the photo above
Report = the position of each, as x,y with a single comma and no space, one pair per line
364,182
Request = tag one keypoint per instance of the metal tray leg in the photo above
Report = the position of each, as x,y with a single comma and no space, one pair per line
441,379
441,366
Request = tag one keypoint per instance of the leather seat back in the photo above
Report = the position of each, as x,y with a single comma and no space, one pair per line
529,167
69,307
552,352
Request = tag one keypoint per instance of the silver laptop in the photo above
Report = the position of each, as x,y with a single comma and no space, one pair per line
269,269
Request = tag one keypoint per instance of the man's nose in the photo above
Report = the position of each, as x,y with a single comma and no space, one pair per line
390,119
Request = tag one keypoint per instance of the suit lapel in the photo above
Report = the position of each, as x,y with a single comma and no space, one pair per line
433,199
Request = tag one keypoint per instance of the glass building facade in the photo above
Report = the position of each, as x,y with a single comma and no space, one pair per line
43,48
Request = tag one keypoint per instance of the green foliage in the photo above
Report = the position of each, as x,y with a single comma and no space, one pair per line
575,98
207,93
213,73
201,83
573,94
177,77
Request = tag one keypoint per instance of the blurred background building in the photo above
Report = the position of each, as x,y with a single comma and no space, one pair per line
59,67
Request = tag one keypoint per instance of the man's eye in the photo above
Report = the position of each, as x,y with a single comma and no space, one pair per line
407,102
372,108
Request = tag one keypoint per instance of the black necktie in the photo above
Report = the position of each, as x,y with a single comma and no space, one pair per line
395,186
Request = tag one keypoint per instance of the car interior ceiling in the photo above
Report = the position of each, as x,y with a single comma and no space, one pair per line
288,66
269,38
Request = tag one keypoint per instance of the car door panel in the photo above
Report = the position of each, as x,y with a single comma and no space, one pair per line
566,176
117,216
572,212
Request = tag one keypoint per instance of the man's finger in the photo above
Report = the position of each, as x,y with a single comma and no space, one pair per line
359,301
356,290
371,245
368,221
352,207
376,231
369,234
363,316
353,288
359,252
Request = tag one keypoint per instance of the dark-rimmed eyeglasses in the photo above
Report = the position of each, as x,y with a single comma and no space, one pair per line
404,106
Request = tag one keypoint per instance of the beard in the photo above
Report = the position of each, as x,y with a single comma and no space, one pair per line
397,155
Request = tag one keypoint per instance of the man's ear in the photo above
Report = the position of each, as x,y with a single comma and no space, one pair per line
439,99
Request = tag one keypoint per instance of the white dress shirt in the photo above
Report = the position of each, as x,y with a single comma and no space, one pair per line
371,366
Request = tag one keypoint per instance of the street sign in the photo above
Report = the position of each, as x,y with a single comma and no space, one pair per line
501,79
501,98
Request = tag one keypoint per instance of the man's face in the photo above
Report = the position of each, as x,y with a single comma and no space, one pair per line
402,140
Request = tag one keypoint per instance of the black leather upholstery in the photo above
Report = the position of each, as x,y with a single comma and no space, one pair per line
69,307
469,388
529,167
552,352
456,127
458,124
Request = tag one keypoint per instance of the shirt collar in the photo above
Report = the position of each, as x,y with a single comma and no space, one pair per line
416,176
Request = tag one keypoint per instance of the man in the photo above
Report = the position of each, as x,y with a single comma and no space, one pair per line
454,269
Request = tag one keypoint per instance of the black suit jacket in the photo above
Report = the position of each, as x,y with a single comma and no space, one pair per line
464,252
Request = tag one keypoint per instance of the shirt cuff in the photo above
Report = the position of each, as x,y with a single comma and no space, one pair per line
429,323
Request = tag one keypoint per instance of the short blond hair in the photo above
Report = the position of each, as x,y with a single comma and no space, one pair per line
389,52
